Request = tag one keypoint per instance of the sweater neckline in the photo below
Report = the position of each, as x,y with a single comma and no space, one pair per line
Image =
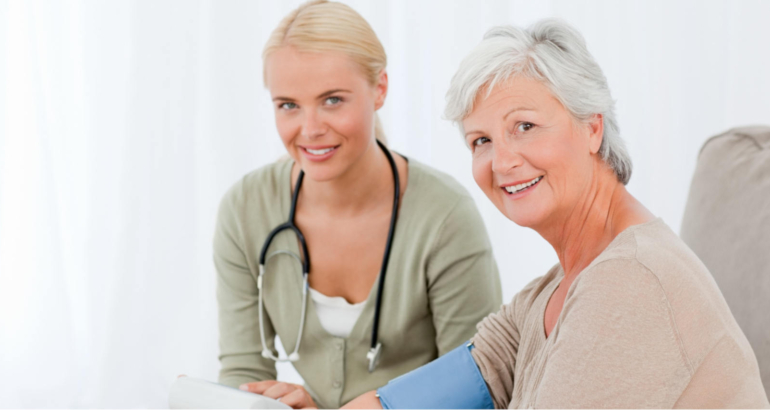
559,274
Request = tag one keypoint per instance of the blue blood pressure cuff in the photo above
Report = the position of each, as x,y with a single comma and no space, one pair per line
452,381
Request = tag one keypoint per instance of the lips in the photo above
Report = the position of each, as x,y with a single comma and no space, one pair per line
318,153
522,186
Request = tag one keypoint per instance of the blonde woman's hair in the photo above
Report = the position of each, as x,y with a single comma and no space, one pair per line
321,25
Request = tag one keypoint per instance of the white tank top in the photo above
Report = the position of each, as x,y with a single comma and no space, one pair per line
336,314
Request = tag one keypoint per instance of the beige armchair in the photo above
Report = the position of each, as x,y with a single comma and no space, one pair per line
727,224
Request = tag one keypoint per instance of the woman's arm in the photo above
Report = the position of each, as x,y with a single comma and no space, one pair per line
497,347
463,281
239,341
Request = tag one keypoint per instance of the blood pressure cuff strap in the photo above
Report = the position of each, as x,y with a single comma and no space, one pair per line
452,381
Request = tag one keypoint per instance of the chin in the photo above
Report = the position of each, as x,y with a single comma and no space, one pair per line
524,216
525,221
320,173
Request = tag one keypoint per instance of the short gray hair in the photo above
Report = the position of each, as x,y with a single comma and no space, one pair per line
554,53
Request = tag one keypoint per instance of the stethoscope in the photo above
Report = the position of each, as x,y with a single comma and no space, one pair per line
376,348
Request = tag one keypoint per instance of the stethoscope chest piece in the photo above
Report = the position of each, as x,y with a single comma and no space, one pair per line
374,356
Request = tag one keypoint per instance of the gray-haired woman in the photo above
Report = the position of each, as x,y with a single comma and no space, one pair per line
629,317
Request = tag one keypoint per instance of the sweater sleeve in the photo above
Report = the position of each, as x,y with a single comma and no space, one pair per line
498,338
616,344
497,345
237,297
464,284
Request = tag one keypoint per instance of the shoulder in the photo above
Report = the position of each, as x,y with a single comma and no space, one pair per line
616,281
649,281
697,307
436,201
260,186
623,302
649,257
256,198
619,285
645,252
440,210
431,184
666,255
620,271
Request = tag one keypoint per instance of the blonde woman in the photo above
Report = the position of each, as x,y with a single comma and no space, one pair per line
360,227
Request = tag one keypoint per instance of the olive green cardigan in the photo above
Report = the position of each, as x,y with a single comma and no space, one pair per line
441,281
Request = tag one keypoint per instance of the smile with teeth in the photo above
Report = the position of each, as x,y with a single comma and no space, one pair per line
520,187
320,151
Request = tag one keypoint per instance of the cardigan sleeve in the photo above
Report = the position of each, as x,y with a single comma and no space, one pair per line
237,296
464,284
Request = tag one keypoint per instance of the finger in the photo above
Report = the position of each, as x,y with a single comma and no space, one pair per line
181,375
258,387
296,399
279,390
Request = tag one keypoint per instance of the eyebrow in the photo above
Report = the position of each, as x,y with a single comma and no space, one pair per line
473,132
322,95
517,109
330,92
504,117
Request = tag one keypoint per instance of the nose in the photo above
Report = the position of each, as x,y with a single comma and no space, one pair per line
313,127
505,157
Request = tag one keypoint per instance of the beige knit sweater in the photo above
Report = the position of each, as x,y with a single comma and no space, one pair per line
644,325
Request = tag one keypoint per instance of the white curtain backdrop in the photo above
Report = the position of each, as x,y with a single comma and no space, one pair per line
123,122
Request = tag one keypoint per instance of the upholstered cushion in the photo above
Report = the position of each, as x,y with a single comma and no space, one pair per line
727,224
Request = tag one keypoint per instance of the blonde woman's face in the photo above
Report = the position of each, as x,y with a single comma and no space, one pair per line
324,109
530,157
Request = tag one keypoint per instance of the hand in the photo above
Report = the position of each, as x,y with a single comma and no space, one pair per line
289,394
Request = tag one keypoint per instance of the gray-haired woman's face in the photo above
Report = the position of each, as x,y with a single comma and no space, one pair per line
531,159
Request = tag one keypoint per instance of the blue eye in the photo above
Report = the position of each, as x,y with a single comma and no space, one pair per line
287,106
480,141
333,100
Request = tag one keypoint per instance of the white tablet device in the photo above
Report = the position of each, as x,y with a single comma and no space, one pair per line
191,393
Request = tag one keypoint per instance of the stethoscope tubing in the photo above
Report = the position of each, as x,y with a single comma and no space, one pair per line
290,225
386,257
374,351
